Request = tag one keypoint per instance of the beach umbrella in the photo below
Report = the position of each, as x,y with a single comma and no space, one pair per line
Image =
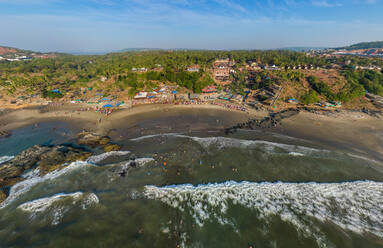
108,106
56,91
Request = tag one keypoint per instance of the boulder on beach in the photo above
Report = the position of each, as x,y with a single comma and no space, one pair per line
92,140
111,148
95,140
3,196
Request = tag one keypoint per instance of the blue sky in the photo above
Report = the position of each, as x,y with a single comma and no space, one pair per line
105,25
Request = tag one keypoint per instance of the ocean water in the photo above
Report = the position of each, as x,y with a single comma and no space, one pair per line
253,189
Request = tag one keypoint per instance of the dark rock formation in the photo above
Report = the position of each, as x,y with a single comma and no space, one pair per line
45,158
271,121
10,171
5,134
94,140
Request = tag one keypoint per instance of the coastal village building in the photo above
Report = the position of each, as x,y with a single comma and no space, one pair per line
253,66
210,89
141,95
143,69
221,71
194,68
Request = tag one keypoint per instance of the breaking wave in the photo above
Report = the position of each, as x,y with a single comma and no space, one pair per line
5,159
222,142
31,180
355,206
296,154
50,206
98,158
140,162
153,136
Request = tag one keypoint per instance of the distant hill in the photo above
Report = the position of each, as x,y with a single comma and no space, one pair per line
9,50
363,45
301,49
137,50
11,53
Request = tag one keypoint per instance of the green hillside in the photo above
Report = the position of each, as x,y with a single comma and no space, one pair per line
364,45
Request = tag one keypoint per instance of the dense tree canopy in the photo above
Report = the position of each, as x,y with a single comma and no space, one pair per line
67,72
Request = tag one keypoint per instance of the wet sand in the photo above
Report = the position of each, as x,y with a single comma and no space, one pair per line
101,123
356,132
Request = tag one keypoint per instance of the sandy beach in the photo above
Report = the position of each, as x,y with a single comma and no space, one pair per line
352,131
100,123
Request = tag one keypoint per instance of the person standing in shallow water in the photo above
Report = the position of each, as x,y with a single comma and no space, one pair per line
123,173
133,163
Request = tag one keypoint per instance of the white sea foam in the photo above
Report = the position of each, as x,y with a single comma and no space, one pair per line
143,161
140,162
363,158
24,186
296,154
57,211
153,136
355,206
4,159
98,158
222,142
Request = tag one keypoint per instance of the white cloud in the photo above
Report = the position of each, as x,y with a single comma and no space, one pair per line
325,3
231,5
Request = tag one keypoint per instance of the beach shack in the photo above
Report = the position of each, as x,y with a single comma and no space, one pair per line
193,68
181,96
194,96
210,89
141,95
238,98
292,100
336,104
56,91
152,95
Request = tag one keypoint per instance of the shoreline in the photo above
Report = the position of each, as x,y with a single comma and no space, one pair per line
70,113
349,130
13,119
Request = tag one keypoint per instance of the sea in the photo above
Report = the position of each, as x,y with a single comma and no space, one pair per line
195,189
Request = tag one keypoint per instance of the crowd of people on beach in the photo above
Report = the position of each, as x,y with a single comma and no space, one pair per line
230,106
152,101
109,110
221,104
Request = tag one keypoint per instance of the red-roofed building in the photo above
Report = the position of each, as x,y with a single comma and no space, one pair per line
210,89
194,68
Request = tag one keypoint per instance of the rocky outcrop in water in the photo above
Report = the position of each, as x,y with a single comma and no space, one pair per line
95,140
271,121
50,158
11,171
45,158
3,196
5,134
